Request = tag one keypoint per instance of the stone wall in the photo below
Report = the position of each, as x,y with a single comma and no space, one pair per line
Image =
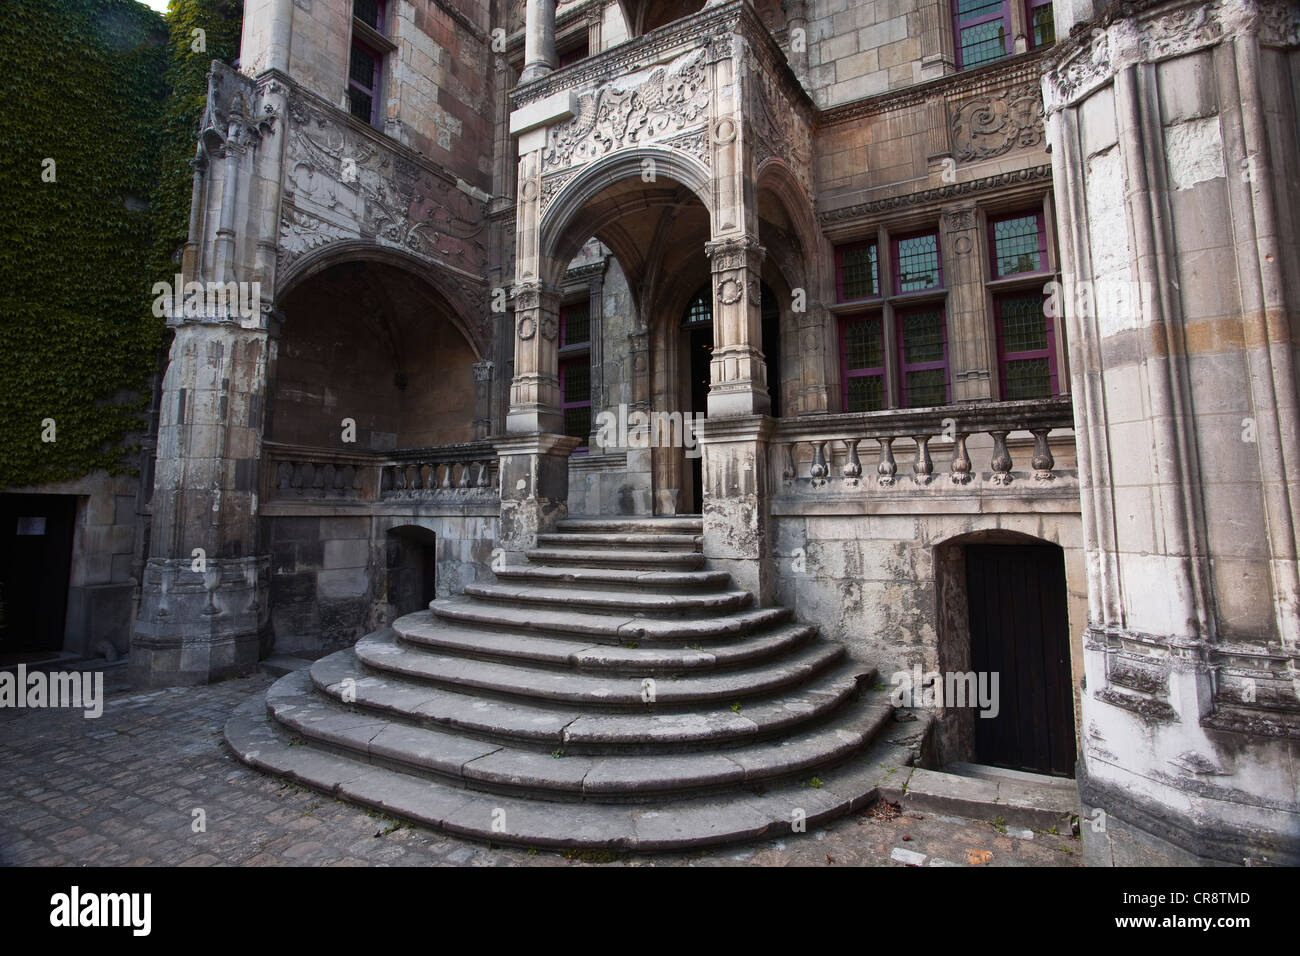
336,576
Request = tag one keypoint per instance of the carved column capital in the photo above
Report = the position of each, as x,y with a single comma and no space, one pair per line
736,252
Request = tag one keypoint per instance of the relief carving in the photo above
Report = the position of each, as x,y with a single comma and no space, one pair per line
989,126
633,110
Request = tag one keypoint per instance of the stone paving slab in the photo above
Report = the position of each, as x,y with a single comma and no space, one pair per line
123,790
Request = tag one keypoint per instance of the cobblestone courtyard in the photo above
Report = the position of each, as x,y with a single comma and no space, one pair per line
123,790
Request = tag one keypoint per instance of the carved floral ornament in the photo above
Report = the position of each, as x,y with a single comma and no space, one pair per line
638,108
343,177
991,125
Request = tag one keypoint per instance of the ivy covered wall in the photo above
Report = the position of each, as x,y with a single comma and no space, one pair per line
102,103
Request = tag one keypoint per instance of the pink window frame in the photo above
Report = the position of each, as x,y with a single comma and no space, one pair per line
375,79
1003,14
895,264
904,366
1042,243
1049,353
839,269
845,372
1030,7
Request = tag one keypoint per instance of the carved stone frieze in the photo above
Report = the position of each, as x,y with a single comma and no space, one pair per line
778,128
650,105
996,123
341,184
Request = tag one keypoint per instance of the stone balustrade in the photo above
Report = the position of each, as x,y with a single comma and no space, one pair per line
445,472
920,448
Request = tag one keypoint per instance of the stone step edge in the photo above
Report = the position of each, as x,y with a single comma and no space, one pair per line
630,602
630,560
619,627
839,687
1014,802
811,660
540,575
637,828
585,656
501,768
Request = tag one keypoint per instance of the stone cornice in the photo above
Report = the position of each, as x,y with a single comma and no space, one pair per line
1015,71
941,194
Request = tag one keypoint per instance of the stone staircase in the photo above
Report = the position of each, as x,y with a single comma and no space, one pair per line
611,693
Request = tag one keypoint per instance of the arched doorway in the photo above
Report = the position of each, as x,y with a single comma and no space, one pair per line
411,561
1004,627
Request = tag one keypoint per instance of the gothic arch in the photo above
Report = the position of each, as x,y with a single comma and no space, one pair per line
457,296
569,205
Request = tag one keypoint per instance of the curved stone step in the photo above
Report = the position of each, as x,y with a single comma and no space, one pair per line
639,560
503,768
625,602
550,725
380,652
615,628
670,525
598,541
613,578
671,825
425,631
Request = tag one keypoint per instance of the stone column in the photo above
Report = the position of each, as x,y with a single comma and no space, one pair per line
1187,426
482,399
595,313
534,488
738,375
810,327
737,526
972,348
539,40
203,609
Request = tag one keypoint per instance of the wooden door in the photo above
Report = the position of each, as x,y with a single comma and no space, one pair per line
1020,630
37,533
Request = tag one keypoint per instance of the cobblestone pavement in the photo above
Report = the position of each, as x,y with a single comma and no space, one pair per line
123,789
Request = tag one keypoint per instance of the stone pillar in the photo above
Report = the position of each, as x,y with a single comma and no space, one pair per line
1187,424
596,340
482,399
203,609
534,479
810,328
539,40
738,375
972,350
535,391
737,526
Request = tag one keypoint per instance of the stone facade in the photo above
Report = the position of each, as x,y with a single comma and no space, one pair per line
745,211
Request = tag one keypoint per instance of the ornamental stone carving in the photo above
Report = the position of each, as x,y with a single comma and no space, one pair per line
638,108
991,125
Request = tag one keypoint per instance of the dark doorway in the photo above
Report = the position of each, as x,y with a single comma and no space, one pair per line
37,561
1019,629
412,559
771,312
